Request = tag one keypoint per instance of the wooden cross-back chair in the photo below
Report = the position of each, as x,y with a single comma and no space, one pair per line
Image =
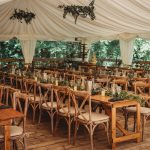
85,116
11,78
8,95
17,129
47,102
2,77
1,93
123,82
19,83
34,98
142,89
103,81
65,107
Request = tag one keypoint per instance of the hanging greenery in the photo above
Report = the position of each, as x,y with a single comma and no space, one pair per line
21,14
76,11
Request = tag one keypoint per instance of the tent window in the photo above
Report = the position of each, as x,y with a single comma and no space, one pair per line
57,49
11,49
141,50
106,51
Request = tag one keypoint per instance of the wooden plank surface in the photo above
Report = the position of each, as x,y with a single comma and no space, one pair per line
39,138
7,114
5,119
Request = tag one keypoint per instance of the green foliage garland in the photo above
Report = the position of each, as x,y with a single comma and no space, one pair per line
21,14
77,11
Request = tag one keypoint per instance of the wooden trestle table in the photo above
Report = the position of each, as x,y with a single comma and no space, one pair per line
6,115
110,109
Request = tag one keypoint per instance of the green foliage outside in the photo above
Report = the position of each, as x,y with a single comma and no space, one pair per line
58,49
111,49
11,49
106,49
142,50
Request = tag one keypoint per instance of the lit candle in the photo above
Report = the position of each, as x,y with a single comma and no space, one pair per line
103,93
35,78
75,88
56,82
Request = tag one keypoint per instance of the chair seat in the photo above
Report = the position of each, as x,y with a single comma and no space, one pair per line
48,105
37,98
144,110
95,117
66,110
14,131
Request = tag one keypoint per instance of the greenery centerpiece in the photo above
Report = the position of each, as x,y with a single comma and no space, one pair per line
125,95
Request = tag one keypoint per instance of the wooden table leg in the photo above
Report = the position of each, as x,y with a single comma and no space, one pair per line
113,125
138,120
7,137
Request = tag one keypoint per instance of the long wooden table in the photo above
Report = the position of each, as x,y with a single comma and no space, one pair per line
111,108
5,120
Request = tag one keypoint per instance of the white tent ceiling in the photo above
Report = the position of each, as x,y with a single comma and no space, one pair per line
114,19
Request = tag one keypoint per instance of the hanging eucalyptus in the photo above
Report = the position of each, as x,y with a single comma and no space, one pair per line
76,11
21,14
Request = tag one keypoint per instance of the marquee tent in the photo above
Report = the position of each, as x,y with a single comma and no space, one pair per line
115,19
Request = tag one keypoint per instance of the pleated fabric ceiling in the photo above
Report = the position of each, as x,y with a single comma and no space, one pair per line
115,19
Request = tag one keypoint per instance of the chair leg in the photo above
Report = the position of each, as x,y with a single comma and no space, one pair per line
56,125
107,128
13,144
52,122
24,142
40,116
33,119
69,130
75,131
143,125
91,136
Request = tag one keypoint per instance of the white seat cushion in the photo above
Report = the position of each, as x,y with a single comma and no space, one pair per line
66,110
48,105
95,117
14,131
144,110
37,98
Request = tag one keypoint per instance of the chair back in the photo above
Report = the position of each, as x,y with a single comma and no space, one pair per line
46,94
61,94
141,87
123,82
21,104
81,99
1,93
2,77
30,87
19,83
11,78
8,95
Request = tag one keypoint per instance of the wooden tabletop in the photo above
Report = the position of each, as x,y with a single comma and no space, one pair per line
9,113
6,115
100,98
105,100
